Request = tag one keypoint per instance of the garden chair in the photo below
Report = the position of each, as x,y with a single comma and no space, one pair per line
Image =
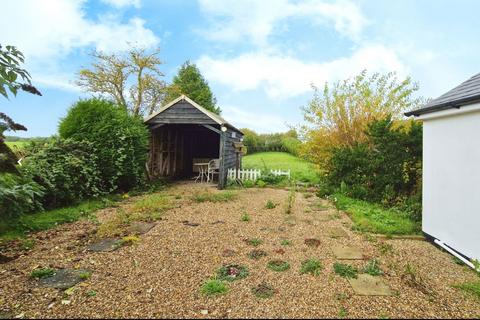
213,169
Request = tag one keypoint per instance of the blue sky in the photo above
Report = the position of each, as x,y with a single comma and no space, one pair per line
259,57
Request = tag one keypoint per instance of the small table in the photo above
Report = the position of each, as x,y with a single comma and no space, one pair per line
202,171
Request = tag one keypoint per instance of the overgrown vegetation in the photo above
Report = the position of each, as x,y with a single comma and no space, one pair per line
369,217
355,133
268,142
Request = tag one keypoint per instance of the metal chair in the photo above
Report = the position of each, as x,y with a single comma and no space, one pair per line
213,168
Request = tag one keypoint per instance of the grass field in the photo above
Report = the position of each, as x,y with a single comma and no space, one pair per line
301,170
18,144
370,217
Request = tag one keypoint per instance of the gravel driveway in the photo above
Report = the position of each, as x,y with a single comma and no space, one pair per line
161,275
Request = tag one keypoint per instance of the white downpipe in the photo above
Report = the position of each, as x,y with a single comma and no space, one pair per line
444,246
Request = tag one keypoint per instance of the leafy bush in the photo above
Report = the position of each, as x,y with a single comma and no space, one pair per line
67,170
385,169
120,141
18,195
248,183
261,183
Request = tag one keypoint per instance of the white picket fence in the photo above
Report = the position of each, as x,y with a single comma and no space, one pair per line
254,174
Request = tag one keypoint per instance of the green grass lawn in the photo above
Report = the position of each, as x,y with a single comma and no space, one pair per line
18,144
370,217
301,170
18,227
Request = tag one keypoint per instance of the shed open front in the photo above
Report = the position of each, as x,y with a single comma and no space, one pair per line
175,148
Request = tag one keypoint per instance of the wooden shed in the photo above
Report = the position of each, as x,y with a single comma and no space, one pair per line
183,133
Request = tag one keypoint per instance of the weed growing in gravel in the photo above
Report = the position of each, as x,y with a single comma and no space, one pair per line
312,242
224,196
307,195
263,291
42,273
257,254
254,242
373,268
311,266
92,293
385,248
278,265
285,242
414,280
472,288
129,240
345,270
342,314
213,287
232,272
290,200
27,244
457,261
245,217
341,296
270,204
85,275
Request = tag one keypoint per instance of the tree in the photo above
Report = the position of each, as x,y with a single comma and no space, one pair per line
190,82
12,77
133,80
339,115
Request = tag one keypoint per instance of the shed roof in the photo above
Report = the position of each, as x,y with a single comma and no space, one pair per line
215,117
466,93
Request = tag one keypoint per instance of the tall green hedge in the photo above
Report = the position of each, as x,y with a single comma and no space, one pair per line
120,141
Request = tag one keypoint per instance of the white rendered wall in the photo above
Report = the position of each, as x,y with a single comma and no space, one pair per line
451,178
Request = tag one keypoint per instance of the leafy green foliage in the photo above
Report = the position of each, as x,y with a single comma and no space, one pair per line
213,287
385,169
261,183
190,82
42,273
18,195
267,142
369,217
120,141
67,170
248,183
285,242
345,270
311,266
278,265
232,272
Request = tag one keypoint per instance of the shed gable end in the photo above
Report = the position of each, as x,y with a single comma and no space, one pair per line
181,112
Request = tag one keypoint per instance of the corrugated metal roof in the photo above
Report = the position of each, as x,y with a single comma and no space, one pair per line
466,93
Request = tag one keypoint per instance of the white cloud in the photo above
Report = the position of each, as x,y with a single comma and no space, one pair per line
48,31
123,3
285,76
260,122
52,28
256,20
